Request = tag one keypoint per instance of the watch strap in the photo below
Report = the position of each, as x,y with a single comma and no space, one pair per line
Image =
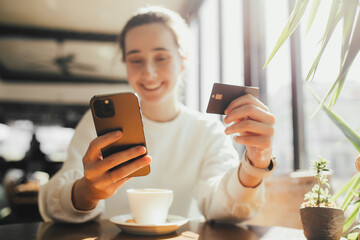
258,172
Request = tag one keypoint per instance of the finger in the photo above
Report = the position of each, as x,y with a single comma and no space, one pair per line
250,111
121,182
245,100
254,141
120,157
94,149
130,168
116,181
250,126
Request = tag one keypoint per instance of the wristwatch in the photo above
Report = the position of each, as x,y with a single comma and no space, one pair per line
258,172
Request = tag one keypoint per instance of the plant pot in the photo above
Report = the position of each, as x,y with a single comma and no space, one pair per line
322,222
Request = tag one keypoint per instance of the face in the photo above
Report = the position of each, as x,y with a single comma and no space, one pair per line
153,62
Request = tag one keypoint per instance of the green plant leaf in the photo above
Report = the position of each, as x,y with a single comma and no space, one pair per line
349,10
292,23
355,228
322,102
334,17
346,130
352,52
357,194
351,135
346,187
314,7
351,218
350,194
354,48
337,90
353,236
335,12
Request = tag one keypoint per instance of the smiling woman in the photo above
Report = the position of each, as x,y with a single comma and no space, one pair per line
190,152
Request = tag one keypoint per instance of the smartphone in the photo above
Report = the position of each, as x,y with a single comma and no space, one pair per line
223,94
120,111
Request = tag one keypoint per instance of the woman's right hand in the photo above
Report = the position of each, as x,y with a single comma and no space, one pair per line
100,183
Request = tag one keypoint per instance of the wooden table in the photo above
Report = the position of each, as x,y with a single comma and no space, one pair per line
105,230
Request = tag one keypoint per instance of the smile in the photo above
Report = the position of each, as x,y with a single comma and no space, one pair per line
152,87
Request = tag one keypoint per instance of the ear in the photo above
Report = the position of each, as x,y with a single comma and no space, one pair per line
183,61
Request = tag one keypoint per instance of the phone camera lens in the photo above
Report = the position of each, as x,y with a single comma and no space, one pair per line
104,108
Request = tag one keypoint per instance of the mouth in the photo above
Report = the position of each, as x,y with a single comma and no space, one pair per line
152,87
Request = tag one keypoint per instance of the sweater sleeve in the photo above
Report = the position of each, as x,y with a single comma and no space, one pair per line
219,192
55,196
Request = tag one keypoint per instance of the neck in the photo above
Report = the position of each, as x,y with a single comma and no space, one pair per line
161,112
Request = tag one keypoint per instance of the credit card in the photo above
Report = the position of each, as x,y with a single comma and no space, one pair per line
223,94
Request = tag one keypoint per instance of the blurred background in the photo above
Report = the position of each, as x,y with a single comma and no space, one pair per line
55,55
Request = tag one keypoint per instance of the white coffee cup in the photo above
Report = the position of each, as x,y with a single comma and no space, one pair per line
150,205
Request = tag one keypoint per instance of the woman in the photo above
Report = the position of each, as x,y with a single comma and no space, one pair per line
190,153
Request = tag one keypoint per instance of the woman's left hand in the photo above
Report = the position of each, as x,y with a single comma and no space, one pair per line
254,123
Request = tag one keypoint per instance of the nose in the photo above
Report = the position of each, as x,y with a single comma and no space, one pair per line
149,70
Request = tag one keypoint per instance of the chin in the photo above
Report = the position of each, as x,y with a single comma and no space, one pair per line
155,98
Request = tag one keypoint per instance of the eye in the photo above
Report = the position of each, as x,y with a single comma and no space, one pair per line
162,58
135,61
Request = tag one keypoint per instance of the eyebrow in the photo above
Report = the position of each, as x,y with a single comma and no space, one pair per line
137,51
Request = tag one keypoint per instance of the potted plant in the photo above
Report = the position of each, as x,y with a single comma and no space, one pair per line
320,217
347,12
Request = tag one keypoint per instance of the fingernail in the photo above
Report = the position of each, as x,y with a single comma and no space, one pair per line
141,148
117,133
149,159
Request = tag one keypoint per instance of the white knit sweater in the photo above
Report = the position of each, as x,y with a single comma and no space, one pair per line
191,155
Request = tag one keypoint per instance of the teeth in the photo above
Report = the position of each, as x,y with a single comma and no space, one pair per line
152,87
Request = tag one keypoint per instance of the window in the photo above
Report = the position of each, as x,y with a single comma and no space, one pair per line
279,84
322,137
219,33
209,50
216,57
219,29
232,51
217,51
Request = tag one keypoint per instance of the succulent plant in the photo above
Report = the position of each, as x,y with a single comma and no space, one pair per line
319,196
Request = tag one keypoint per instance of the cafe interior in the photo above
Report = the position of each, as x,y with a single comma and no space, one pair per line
55,55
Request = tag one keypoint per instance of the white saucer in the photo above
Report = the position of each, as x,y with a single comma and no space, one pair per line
172,223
